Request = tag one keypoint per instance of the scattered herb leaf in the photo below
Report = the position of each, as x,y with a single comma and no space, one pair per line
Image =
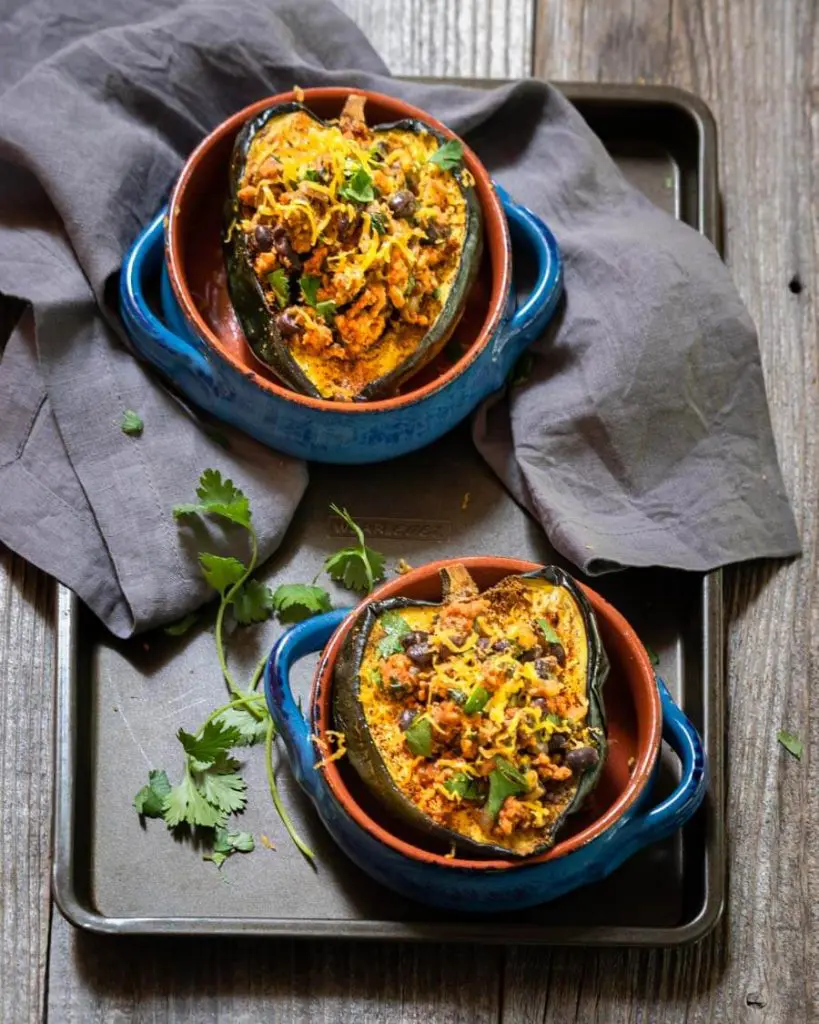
214,738
251,729
311,174
309,285
448,156
131,424
465,786
477,701
395,627
379,223
150,800
549,634
358,187
252,603
182,626
653,657
504,781
221,572
218,497
226,842
186,805
294,602
326,310
357,568
791,742
280,285
419,737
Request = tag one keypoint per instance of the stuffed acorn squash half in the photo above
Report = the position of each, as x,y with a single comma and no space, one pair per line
349,249
479,720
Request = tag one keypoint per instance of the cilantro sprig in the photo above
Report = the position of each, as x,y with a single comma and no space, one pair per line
309,285
358,186
357,568
211,788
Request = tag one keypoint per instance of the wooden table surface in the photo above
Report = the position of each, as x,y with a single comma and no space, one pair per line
756,62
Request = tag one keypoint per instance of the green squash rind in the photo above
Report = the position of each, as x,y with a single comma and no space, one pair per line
362,751
257,318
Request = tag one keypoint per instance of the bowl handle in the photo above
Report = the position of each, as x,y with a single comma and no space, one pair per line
305,638
530,318
666,817
175,355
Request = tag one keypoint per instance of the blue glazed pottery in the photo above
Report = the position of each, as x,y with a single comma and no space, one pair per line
475,888
336,432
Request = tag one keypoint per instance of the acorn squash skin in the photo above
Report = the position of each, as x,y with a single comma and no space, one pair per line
363,753
258,319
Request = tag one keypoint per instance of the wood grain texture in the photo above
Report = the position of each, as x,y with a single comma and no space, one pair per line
26,674
757,65
477,38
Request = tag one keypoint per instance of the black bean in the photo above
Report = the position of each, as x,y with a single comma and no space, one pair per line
558,742
287,325
284,247
263,236
405,719
582,758
402,204
416,636
532,654
557,652
420,654
501,645
483,643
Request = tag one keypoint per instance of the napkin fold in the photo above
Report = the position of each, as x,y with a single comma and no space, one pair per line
640,437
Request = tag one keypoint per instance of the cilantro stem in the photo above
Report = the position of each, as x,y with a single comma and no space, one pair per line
227,599
257,672
247,700
277,802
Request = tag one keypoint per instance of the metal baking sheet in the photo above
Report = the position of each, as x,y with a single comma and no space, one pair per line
119,704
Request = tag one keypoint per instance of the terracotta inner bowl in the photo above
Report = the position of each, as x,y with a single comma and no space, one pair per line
197,271
630,697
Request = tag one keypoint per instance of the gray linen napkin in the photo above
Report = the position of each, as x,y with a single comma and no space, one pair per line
642,436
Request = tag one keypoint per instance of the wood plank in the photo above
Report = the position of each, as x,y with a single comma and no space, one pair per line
757,64
477,38
26,674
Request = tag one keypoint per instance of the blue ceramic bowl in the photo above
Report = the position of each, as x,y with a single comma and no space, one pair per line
494,886
330,431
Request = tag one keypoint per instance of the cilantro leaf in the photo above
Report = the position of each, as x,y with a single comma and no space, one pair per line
394,627
226,842
448,156
252,603
379,223
549,634
653,657
356,568
251,729
309,285
186,804
131,424
419,737
504,780
214,739
221,573
358,187
222,786
327,310
464,785
280,285
296,601
150,800
181,626
791,742
218,497
311,174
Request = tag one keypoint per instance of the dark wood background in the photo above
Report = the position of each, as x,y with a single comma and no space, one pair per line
756,62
